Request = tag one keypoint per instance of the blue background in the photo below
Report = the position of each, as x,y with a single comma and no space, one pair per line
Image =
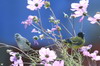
13,12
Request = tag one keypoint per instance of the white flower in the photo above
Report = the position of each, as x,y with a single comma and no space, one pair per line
82,5
95,19
47,54
97,58
35,4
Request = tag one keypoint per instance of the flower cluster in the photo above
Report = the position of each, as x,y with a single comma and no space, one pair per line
93,56
80,9
28,22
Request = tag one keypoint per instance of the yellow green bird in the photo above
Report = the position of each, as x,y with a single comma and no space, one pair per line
76,42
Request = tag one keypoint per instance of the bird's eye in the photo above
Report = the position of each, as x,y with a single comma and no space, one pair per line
17,35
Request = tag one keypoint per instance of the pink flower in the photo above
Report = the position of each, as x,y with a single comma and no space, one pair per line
94,19
81,19
16,59
85,48
30,17
35,4
78,14
46,54
94,54
86,53
97,58
36,42
58,63
57,27
53,29
35,31
47,64
28,22
81,6
80,9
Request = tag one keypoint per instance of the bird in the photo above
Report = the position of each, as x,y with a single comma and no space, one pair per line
25,46
77,41
22,42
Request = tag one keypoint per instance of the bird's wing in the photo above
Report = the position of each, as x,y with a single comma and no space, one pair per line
27,42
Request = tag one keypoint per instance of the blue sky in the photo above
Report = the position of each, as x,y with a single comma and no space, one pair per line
13,12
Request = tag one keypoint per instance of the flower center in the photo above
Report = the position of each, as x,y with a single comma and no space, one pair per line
80,7
36,4
98,20
17,56
85,14
47,56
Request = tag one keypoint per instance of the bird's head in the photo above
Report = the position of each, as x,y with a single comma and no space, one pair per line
17,36
81,35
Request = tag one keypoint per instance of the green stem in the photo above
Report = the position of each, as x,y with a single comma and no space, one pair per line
40,18
67,30
42,31
98,23
88,61
81,26
52,12
72,26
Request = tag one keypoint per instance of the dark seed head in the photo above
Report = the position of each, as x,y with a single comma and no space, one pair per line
98,20
36,4
47,56
17,56
80,7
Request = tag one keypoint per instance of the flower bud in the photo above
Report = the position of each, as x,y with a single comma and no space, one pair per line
35,37
35,19
72,16
97,12
59,28
41,36
56,21
46,4
51,19
65,15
